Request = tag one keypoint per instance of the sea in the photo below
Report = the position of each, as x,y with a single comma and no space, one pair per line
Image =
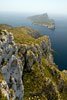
58,36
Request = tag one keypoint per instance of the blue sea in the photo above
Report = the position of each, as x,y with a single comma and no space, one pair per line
58,36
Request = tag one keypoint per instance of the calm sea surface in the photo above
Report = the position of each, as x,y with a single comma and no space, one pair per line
58,36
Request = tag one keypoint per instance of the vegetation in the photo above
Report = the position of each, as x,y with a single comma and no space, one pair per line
35,83
21,35
2,96
1,77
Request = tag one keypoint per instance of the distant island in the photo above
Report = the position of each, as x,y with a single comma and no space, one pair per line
43,20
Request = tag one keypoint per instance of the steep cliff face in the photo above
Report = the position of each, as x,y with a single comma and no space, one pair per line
10,66
34,53
29,61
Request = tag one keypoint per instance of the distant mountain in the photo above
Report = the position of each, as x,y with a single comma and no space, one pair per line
43,20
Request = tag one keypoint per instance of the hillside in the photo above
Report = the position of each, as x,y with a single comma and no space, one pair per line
43,20
27,69
25,33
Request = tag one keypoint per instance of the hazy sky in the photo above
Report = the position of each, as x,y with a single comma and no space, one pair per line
49,6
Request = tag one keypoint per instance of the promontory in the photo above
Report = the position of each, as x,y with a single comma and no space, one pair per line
43,20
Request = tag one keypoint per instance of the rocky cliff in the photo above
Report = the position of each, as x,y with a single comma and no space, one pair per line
28,62
10,67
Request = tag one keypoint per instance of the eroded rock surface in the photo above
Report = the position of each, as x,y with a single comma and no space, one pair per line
10,65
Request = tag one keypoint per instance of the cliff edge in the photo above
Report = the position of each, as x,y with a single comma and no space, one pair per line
27,69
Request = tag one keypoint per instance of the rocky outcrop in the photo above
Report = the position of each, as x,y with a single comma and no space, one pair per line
32,54
10,65
35,34
33,64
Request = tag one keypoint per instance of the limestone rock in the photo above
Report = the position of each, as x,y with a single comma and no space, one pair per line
10,66
45,46
30,59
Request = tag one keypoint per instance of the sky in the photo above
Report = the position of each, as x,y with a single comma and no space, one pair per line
34,6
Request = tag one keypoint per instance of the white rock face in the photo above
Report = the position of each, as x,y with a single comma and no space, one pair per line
10,65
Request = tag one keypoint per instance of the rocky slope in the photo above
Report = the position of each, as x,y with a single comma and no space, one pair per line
28,62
